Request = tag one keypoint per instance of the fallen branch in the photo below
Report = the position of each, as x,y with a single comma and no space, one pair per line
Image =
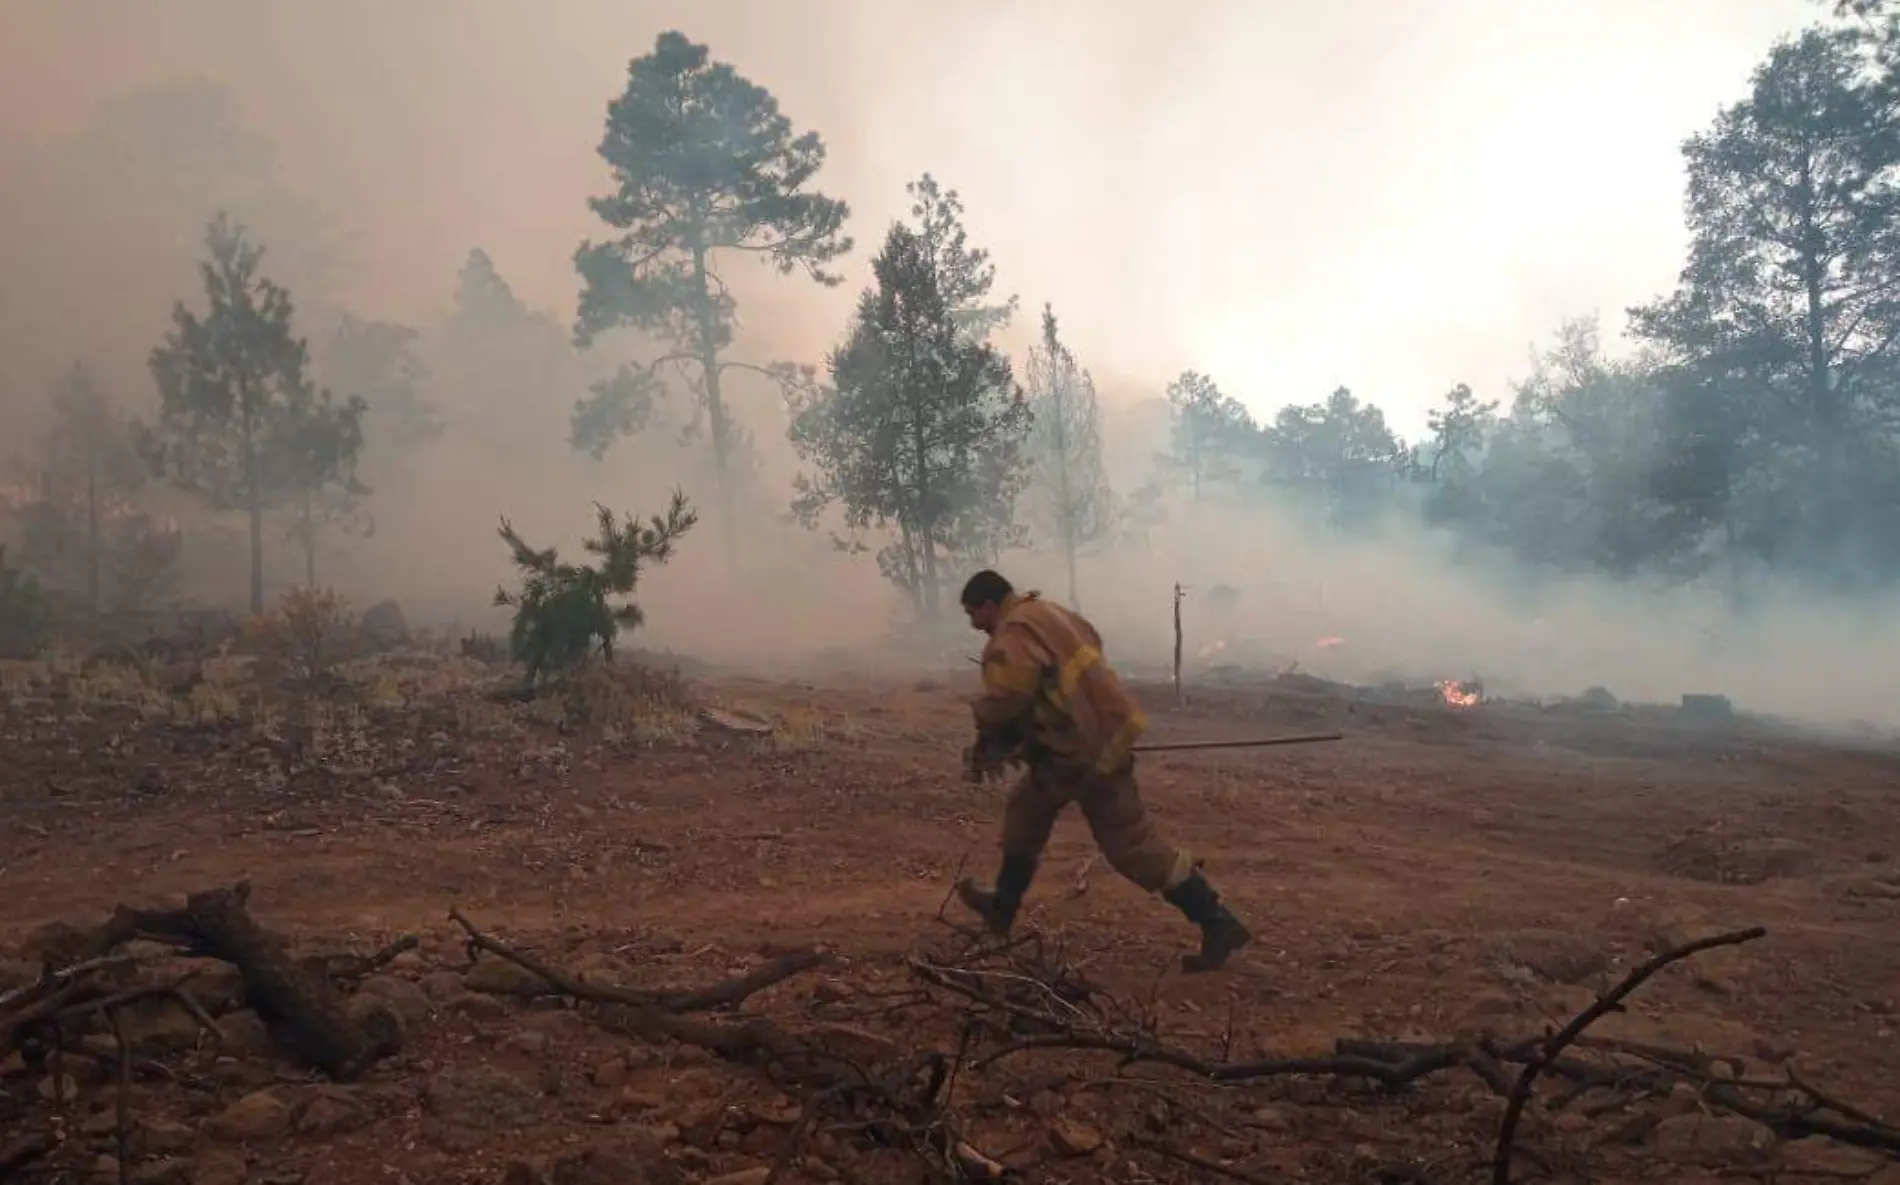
122,1118
1603,1005
728,993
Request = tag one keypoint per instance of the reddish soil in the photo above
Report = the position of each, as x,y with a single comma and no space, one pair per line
1439,873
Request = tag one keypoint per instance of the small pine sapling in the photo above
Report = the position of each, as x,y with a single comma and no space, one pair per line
24,616
565,612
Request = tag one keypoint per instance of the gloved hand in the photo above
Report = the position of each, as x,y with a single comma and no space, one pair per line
985,760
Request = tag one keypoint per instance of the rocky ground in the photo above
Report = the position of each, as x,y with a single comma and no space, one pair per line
734,891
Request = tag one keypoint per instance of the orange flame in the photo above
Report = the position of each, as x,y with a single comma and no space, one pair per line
1460,695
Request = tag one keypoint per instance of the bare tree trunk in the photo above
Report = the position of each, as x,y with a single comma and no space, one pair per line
253,503
1179,698
93,532
715,402
911,569
256,513
309,544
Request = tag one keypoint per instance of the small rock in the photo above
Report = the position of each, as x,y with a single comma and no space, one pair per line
611,1073
410,963
405,999
1713,1140
260,1115
64,1087
780,1112
378,1021
701,1122
101,1122
530,1042
477,1006
641,1100
1630,1131
1272,1119
161,1026
1575,1124
218,987
219,1168
1074,1139
244,1034
329,1114
443,986
162,1137
752,1176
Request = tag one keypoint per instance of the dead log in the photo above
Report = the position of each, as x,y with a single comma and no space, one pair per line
303,1014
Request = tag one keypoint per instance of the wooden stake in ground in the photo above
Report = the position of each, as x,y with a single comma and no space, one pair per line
1179,698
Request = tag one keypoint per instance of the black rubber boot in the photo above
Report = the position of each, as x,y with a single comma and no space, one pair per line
1221,932
997,907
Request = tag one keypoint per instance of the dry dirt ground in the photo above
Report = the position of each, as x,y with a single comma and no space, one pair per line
1439,875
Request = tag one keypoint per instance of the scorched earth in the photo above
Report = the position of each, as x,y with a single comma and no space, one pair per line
1430,896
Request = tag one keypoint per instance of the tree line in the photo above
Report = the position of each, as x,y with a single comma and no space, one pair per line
1756,426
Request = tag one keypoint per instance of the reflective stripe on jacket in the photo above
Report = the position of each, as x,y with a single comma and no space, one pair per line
1045,679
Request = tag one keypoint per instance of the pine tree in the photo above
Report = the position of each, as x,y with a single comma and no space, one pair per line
705,166
1070,487
240,423
921,430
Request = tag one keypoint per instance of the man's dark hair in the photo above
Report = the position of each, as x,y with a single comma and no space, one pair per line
986,588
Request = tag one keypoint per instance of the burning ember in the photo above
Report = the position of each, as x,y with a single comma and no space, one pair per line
1461,694
1212,648
1328,642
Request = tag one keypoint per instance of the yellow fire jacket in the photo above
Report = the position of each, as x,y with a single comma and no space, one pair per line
1045,681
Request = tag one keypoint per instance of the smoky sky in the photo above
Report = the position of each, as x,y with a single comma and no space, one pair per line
1290,196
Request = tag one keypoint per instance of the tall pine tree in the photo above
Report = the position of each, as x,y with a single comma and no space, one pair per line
705,166
240,424
1069,486
1789,306
921,430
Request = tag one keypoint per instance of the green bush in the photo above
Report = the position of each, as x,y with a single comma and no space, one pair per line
24,613
565,613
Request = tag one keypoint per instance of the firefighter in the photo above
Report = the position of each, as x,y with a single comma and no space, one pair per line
1051,702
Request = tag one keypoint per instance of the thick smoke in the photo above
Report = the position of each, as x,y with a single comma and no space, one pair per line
1286,204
